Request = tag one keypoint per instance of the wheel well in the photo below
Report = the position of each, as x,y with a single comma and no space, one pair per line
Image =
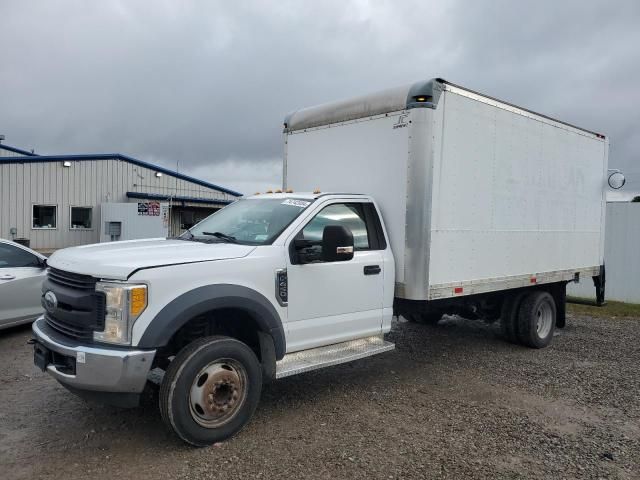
231,322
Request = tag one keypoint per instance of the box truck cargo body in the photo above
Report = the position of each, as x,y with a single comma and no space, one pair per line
477,195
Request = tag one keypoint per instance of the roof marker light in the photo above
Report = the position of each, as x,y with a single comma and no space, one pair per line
269,191
316,191
278,191
289,190
458,290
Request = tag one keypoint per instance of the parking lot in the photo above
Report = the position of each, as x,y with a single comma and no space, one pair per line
451,401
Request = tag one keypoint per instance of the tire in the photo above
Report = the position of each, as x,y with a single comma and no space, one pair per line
537,319
210,390
509,317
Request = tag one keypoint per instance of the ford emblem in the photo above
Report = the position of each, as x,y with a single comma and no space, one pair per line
50,301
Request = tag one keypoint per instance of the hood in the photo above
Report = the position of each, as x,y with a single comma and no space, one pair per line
118,260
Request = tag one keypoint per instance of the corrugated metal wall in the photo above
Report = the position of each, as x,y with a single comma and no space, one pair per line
621,256
87,183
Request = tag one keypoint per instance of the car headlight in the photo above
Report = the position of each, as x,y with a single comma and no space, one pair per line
124,304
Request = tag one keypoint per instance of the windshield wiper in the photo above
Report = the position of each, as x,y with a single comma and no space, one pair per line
188,230
222,236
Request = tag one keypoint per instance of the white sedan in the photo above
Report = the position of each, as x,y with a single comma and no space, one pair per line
21,274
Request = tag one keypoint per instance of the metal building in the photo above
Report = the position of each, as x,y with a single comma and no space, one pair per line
56,201
621,256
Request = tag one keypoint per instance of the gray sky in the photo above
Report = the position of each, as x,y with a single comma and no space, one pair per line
208,83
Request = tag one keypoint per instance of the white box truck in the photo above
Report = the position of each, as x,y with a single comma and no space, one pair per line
435,199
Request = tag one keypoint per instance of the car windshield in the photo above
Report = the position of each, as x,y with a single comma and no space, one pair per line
248,221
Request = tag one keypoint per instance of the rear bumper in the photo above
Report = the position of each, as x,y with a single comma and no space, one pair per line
97,368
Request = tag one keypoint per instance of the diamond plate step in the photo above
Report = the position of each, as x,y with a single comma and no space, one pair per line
314,358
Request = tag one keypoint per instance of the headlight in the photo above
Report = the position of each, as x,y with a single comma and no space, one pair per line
124,304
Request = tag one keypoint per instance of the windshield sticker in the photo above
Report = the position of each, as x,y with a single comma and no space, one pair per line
296,203
260,238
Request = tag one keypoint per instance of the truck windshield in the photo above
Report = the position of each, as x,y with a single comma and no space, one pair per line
248,221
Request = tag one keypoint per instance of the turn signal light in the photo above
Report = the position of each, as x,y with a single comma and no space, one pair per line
138,301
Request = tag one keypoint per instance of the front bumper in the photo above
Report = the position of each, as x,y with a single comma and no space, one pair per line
97,368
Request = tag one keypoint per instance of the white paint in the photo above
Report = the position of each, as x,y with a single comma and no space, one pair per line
512,195
366,156
334,301
117,260
474,192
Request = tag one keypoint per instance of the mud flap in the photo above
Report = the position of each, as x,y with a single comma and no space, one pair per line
599,283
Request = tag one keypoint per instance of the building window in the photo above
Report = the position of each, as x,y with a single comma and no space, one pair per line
44,216
81,218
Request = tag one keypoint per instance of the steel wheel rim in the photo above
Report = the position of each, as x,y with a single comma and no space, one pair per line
218,392
544,321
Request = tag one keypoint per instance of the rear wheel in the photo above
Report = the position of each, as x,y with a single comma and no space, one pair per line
509,317
537,319
210,390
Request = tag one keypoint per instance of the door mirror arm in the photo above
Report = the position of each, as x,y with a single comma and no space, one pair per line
303,251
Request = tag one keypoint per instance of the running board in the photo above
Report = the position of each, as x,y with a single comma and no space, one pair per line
320,357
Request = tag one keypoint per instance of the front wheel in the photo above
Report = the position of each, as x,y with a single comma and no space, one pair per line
210,390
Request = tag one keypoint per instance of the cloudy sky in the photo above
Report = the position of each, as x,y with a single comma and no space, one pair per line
207,84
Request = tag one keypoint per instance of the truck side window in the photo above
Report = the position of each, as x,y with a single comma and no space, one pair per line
351,215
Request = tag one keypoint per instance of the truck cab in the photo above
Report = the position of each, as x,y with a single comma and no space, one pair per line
272,285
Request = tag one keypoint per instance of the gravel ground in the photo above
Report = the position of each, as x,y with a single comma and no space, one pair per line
452,401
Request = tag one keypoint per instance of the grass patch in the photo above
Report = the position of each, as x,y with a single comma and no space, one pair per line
582,306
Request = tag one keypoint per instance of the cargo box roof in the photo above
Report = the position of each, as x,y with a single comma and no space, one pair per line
423,94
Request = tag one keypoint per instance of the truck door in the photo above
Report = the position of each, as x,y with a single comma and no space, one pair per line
331,302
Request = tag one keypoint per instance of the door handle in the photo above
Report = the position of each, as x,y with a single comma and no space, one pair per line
372,270
7,277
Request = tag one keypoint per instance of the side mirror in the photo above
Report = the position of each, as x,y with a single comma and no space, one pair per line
616,179
43,263
337,243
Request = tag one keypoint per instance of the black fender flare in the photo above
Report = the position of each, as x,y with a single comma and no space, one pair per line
211,297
